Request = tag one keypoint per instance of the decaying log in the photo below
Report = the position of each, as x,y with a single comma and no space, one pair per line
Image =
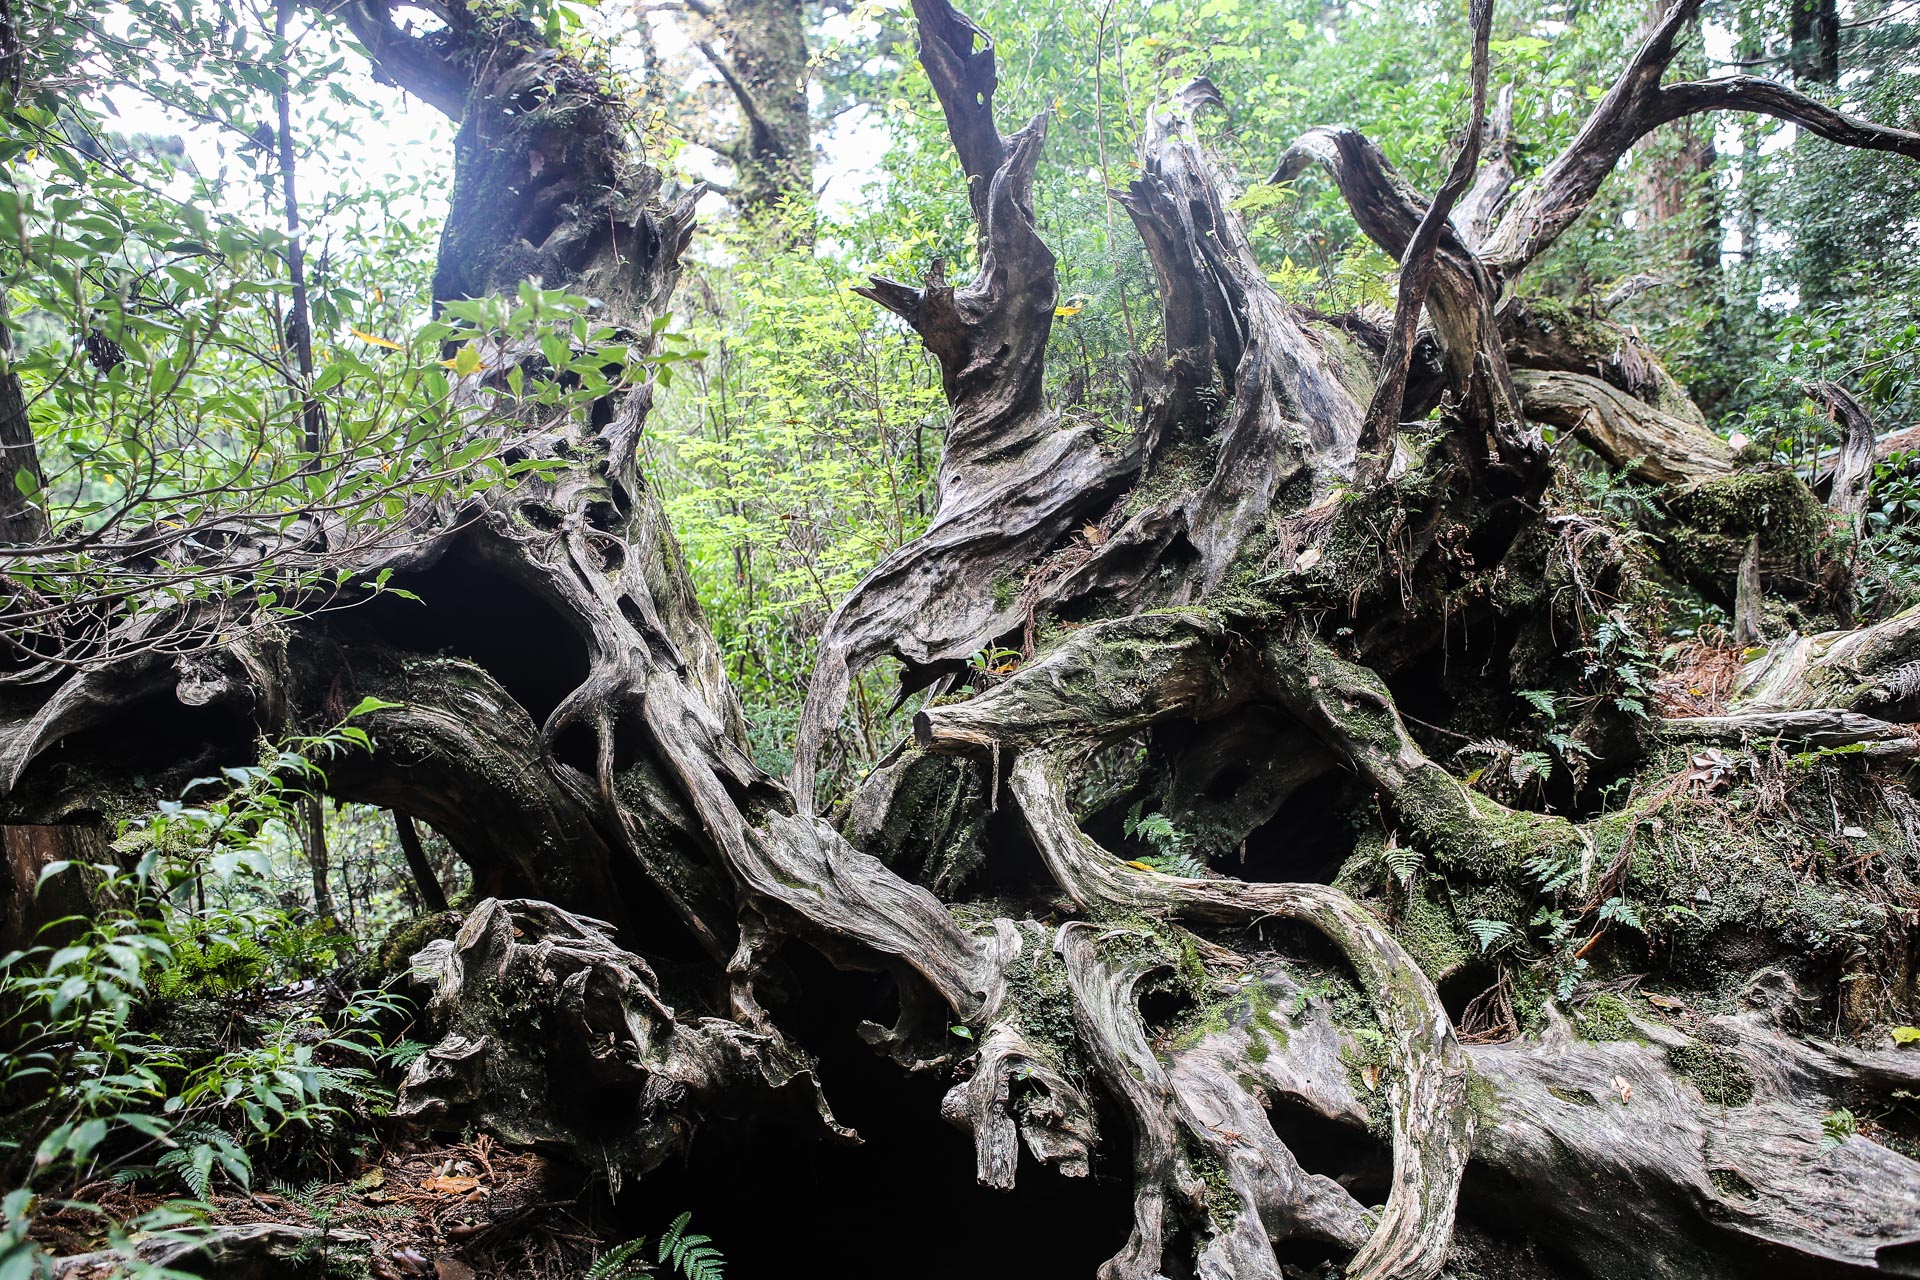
1106,680
1016,477
1432,1126
1431,1123
1748,596
1873,668
1627,432
1556,338
30,899
1480,207
1052,1114
1809,730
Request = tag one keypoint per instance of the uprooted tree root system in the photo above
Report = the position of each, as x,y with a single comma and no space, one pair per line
1523,955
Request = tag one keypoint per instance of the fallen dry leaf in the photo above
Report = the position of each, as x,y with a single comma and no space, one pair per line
447,1185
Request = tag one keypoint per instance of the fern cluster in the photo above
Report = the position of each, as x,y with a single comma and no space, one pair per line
1172,849
693,1256
212,965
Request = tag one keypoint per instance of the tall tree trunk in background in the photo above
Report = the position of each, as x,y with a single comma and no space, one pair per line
313,843
432,896
1814,30
1219,616
21,519
759,49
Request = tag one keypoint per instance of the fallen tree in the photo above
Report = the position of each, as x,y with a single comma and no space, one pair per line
1620,1034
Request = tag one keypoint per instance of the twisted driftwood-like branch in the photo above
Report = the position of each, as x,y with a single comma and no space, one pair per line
1853,468
1015,476
1738,1183
1629,433
1418,263
1635,106
1462,296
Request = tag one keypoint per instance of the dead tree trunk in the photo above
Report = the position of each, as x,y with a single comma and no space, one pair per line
1227,605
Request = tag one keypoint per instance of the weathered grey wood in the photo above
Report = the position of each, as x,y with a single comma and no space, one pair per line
1627,432
1809,730
1853,468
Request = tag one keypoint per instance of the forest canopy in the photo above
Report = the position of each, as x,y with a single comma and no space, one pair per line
1141,639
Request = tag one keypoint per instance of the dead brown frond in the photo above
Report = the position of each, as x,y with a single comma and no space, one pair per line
1698,680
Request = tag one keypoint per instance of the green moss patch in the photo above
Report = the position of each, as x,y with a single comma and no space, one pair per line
1720,1077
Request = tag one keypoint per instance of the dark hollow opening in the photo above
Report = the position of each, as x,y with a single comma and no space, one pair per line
781,1199
1162,1006
578,746
1302,1256
1309,838
468,611
1458,989
159,735
1348,1154
1012,865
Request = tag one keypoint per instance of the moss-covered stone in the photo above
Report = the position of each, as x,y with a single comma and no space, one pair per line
1722,515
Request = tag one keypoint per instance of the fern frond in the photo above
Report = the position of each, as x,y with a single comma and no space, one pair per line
620,1262
693,1256
1489,933
1402,861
